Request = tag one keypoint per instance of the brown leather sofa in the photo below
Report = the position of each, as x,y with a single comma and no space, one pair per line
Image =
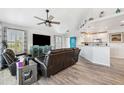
57,60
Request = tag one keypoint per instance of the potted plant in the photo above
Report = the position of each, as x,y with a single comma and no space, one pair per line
118,10
4,44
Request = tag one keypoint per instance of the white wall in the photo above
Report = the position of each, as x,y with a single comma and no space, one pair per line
43,31
117,49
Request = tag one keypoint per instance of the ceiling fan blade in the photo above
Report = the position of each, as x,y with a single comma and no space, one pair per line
40,23
53,22
50,17
50,25
39,18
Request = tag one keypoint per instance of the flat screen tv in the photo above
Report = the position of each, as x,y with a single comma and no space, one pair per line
41,39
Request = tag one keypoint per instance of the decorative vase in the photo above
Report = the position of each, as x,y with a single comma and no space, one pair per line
90,19
118,10
101,14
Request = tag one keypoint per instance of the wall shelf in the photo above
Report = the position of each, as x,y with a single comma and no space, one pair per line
106,18
112,20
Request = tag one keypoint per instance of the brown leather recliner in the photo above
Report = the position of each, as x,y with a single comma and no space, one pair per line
11,58
57,60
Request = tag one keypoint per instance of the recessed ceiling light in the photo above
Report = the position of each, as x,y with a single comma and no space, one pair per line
92,27
106,27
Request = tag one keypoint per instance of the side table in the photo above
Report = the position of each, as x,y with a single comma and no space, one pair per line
27,74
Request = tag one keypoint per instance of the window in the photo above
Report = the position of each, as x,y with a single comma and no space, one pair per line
15,40
58,42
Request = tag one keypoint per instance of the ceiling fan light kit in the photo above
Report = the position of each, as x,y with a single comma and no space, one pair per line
48,21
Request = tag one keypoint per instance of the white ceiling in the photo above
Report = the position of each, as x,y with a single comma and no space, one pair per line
107,23
70,18
110,22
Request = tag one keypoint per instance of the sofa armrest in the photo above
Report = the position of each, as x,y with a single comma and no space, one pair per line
42,67
20,54
12,68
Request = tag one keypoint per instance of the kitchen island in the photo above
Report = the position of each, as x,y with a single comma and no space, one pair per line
96,54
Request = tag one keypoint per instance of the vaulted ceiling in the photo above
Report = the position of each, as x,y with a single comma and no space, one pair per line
70,18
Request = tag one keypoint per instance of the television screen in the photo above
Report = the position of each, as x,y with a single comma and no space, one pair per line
41,40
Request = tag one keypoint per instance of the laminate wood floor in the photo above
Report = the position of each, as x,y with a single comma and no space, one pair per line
82,73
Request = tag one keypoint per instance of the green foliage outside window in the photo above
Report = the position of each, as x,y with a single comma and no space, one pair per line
17,46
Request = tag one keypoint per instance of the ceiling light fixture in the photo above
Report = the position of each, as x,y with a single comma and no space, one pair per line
106,27
48,21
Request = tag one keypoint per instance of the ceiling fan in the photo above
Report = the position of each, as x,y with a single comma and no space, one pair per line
48,21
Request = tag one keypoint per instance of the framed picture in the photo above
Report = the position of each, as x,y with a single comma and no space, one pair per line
116,37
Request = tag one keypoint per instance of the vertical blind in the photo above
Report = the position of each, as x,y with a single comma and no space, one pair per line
0,46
